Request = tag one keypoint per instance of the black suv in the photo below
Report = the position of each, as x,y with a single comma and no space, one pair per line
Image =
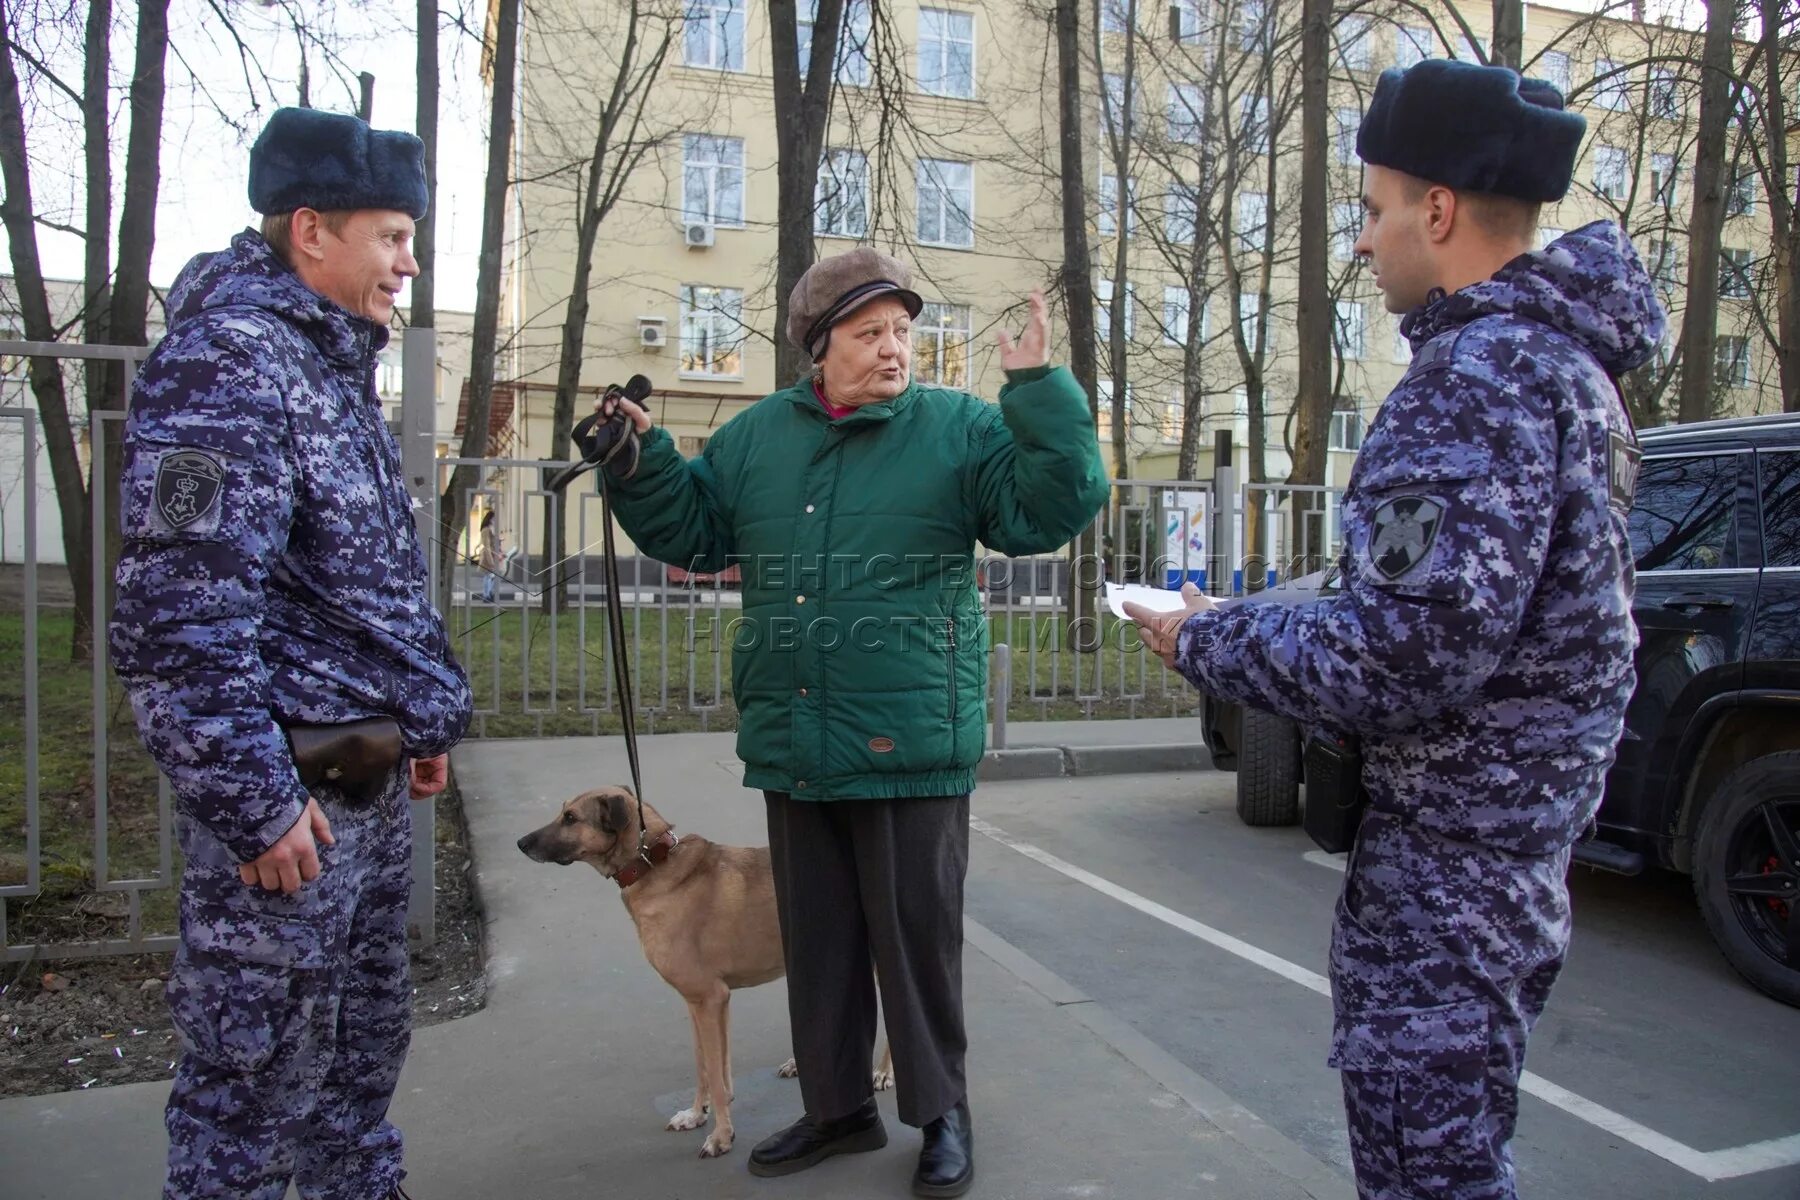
1707,780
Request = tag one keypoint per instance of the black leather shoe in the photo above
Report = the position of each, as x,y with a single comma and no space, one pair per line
808,1142
947,1158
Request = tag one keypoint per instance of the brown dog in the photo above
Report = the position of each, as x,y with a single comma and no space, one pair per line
705,916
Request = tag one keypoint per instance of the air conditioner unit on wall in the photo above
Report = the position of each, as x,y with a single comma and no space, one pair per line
698,235
651,334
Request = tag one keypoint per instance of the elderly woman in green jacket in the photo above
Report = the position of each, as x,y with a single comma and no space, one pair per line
853,502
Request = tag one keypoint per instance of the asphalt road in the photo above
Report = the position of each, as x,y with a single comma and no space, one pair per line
1133,888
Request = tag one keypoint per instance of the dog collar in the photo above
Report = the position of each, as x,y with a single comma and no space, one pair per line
648,859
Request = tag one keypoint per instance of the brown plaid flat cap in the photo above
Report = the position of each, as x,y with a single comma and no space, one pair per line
835,287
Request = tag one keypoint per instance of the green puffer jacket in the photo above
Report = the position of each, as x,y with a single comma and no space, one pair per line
859,663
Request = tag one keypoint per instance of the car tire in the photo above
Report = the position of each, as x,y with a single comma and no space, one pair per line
1268,769
1747,894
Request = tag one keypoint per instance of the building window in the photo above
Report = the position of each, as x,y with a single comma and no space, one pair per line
1731,361
1413,44
1346,226
712,180
1253,24
1250,310
1344,135
1663,171
1173,418
841,195
1252,221
1189,16
1612,86
690,445
1348,331
1553,67
1114,107
853,40
1664,267
1611,172
1402,348
1176,307
941,345
1181,214
1347,426
1353,43
1253,124
1187,113
1547,234
1113,16
712,331
1740,198
1103,318
1105,389
1734,274
714,32
947,53
1108,216
946,203
1665,99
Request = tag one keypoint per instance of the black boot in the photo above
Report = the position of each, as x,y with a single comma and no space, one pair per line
947,1158
809,1141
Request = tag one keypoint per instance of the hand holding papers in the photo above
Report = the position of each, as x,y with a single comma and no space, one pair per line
1159,613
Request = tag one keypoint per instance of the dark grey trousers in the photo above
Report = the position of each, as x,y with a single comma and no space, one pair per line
873,881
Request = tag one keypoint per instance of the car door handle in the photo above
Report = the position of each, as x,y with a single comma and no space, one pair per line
1697,600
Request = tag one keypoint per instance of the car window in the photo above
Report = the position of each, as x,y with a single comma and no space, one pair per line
1781,508
1682,517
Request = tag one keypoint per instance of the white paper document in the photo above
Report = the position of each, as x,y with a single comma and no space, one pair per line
1162,600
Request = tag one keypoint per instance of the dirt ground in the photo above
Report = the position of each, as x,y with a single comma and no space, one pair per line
97,1022
52,586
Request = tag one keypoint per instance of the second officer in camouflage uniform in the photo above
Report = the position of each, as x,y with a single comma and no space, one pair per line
1481,643
271,576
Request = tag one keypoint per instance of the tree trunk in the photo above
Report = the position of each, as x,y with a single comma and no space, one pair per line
96,122
1508,48
1313,404
1078,296
1784,216
16,211
131,278
801,114
424,288
453,509
1700,321
1118,345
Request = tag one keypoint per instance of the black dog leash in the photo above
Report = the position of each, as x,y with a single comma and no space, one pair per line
602,440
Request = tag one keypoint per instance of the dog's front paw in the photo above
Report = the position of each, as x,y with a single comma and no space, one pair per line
687,1118
788,1069
883,1080
716,1144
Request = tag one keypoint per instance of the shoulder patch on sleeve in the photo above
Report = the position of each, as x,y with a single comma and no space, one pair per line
189,487
1401,534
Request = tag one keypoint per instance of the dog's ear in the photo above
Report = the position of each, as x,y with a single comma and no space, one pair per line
615,814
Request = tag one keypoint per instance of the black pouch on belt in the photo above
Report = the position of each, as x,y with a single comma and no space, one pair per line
357,757
1335,799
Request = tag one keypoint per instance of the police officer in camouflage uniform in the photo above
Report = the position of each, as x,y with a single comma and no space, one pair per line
1481,643
271,577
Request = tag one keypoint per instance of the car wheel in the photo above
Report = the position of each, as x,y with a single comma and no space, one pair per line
1747,872
1268,773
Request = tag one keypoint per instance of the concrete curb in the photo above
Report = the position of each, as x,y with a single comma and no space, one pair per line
1053,762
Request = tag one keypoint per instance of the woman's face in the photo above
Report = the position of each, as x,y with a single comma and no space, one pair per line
869,356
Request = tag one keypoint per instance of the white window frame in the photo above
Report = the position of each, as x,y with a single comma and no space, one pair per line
1107,212
1412,44
1614,94
1346,122
1346,227
1731,360
1177,306
718,324
1350,329
1547,234
1665,173
1103,304
1104,395
1181,214
1249,309
1347,420
1191,21
853,66
708,156
1740,195
1665,94
1185,117
1253,21
1621,179
1246,203
720,24
1553,67
1735,265
932,187
1115,107
939,42
1355,47
840,192
1253,124
950,328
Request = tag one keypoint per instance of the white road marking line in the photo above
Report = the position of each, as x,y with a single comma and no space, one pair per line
1710,1165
